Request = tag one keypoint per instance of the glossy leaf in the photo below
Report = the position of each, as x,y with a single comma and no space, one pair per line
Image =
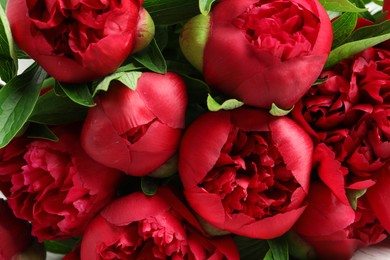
171,11
53,109
78,93
40,131
152,58
129,79
279,248
8,60
341,6
251,249
360,40
17,100
343,28
60,246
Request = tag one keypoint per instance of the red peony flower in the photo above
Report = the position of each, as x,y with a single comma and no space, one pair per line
79,41
15,233
162,228
334,229
136,131
59,188
245,171
261,51
347,116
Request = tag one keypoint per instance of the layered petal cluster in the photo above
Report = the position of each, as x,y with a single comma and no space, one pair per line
59,188
334,229
264,52
163,228
137,131
348,117
79,41
245,171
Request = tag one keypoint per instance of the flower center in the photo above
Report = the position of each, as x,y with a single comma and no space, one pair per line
71,27
250,176
283,28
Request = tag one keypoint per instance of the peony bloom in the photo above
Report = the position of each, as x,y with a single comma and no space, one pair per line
334,229
260,51
79,41
163,228
59,188
347,116
245,171
136,131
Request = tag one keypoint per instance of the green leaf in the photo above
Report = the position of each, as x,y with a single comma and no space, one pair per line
276,111
129,79
205,6
8,59
360,40
251,249
298,247
3,3
343,27
229,104
152,58
354,195
149,185
78,93
279,248
40,131
61,246
53,109
17,100
341,6
171,11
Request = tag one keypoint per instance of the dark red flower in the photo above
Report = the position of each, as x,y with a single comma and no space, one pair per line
78,41
136,131
245,171
334,229
162,227
59,188
263,52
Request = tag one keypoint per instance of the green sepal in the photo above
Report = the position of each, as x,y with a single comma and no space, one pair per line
298,247
276,111
129,79
149,185
354,195
205,6
18,98
78,93
8,59
229,104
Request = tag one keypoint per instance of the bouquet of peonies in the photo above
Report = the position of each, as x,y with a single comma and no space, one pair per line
194,129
